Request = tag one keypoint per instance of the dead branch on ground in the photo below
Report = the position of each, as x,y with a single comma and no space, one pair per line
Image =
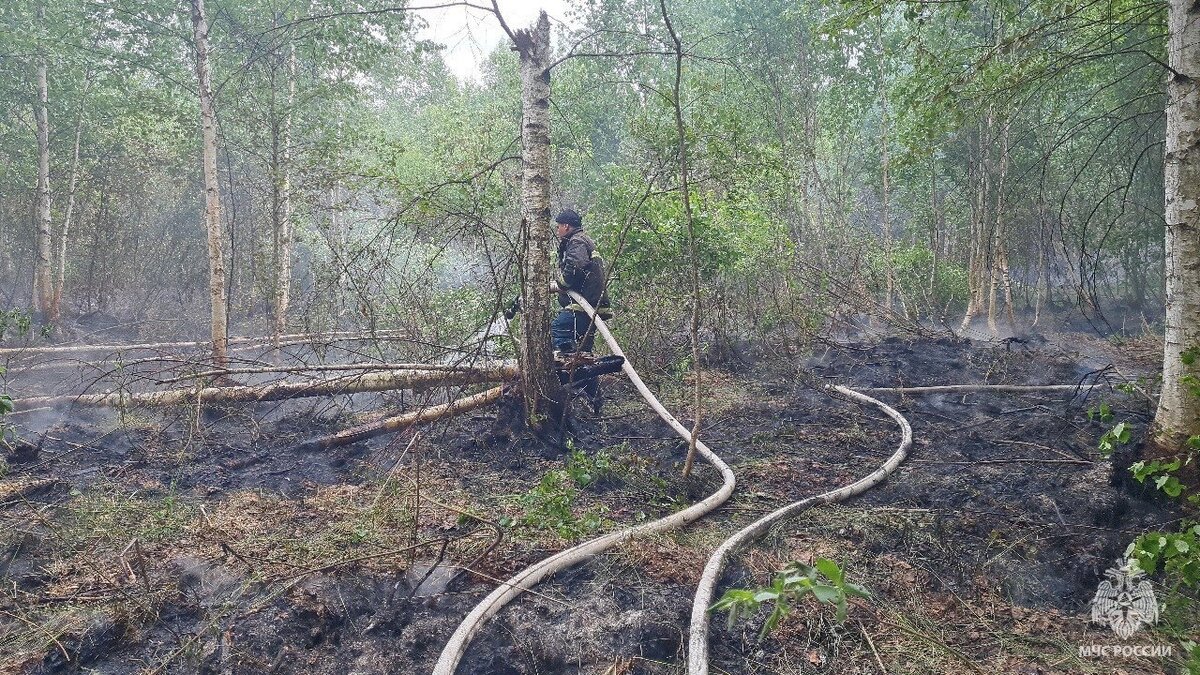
399,422
364,382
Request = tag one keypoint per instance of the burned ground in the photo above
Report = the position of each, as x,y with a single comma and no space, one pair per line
201,541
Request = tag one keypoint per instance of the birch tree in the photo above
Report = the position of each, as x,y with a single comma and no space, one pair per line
282,201
43,290
212,197
1178,414
543,394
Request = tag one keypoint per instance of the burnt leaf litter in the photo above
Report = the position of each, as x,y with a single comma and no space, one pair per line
189,540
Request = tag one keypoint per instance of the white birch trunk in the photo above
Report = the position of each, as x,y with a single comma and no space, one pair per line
998,259
212,195
283,224
43,291
351,384
1178,414
543,393
64,233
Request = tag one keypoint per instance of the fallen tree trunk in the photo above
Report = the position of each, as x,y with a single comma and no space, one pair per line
325,367
78,362
295,338
401,422
365,382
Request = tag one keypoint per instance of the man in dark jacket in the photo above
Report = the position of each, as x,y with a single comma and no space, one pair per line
582,270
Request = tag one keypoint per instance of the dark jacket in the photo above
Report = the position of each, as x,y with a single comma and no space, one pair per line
582,271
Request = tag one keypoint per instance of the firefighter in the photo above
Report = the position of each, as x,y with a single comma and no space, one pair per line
581,269
572,331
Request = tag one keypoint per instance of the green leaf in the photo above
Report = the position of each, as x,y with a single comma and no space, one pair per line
831,570
772,621
764,596
1121,431
1173,487
826,593
842,609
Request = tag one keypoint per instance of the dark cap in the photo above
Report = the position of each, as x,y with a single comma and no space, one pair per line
569,217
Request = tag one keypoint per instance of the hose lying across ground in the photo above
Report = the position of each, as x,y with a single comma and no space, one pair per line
698,639
453,652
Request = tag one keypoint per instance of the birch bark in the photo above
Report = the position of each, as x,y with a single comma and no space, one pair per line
212,195
1178,414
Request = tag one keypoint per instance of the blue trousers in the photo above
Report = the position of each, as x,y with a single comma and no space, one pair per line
572,331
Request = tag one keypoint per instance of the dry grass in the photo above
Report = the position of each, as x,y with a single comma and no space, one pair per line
914,621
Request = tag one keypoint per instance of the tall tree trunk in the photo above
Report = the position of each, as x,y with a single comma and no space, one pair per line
212,195
64,232
685,186
1178,414
282,238
886,221
544,396
43,290
934,234
997,257
978,265
1043,265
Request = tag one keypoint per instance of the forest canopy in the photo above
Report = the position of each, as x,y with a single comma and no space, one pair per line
913,155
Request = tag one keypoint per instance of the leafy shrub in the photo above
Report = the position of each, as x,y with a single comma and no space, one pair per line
550,505
912,268
825,581
17,320
1176,554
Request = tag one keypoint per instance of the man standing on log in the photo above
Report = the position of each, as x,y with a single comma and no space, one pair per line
582,270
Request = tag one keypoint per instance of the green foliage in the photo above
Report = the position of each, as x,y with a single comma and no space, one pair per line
913,273
585,470
1118,435
1161,473
825,582
1103,413
18,321
551,504
1174,554
1191,655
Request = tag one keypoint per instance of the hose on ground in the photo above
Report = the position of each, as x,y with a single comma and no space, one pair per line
698,638
453,652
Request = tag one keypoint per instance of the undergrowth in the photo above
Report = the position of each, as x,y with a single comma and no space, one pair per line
1172,555
551,505
824,581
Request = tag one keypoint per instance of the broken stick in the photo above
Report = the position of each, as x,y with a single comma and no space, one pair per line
399,422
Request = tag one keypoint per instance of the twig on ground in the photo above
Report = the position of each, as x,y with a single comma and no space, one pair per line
871,644
1039,446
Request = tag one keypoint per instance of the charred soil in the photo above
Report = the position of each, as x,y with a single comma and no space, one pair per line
201,541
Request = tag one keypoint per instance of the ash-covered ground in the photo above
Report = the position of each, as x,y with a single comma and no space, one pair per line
187,540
